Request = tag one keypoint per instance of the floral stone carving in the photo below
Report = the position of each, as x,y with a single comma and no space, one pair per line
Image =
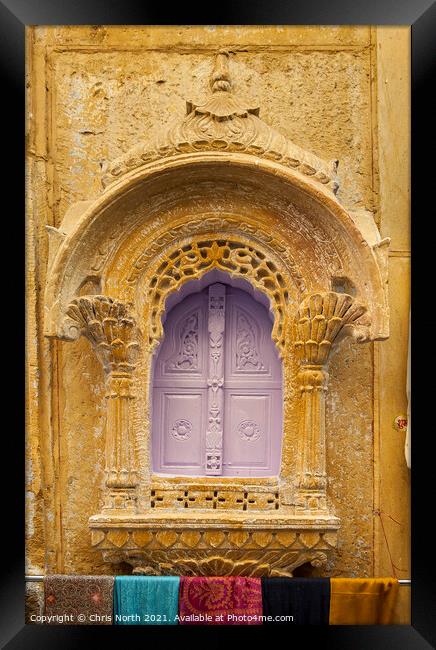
225,123
269,547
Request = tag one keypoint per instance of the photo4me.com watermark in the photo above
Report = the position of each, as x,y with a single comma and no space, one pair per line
157,619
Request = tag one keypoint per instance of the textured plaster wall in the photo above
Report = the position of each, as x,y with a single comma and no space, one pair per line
341,92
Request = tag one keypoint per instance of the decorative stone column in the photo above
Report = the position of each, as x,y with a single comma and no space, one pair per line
114,337
320,318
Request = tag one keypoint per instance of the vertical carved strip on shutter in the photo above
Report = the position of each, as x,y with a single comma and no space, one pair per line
215,380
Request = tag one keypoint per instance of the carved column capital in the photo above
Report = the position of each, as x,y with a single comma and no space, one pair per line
320,318
110,328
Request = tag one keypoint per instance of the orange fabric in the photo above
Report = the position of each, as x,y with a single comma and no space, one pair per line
362,601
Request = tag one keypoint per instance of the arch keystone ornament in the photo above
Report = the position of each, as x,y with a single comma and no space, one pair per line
219,197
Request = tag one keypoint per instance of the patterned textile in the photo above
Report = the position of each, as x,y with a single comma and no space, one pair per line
363,601
220,601
307,600
146,600
78,600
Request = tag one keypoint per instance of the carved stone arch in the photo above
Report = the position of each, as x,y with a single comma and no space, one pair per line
307,222
247,229
192,258
189,247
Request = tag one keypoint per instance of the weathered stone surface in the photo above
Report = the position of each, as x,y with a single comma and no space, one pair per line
109,89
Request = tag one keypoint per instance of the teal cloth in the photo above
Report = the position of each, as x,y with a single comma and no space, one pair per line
146,600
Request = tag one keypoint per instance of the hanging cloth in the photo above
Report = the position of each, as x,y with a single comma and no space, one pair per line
362,601
78,600
231,600
146,600
307,600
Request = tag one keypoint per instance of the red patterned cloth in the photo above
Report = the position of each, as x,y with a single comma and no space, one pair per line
78,600
220,601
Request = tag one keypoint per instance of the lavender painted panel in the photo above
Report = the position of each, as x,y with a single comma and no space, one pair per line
247,423
217,388
180,390
182,356
252,390
181,429
250,448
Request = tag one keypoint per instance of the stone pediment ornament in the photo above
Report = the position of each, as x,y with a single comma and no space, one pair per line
224,122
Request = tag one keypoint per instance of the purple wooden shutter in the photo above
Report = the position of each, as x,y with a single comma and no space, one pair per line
252,390
180,390
217,388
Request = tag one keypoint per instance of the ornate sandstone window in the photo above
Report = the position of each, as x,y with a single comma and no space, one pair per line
213,276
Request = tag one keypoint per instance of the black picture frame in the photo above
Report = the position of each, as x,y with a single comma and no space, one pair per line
421,16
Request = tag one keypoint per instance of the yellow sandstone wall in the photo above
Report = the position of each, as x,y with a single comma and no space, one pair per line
341,92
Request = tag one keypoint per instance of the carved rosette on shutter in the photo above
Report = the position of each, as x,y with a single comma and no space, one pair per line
215,380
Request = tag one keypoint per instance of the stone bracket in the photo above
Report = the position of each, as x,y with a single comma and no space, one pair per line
173,544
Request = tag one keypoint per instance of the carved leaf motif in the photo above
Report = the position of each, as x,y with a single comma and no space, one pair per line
187,355
320,318
247,355
109,327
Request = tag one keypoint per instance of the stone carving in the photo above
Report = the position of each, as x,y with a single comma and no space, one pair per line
271,535
249,430
103,253
224,551
109,327
225,123
182,429
112,331
202,255
320,319
187,356
219,225
201,497
247,356
269,564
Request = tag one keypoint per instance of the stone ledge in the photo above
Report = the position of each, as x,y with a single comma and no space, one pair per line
214,543
205,519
